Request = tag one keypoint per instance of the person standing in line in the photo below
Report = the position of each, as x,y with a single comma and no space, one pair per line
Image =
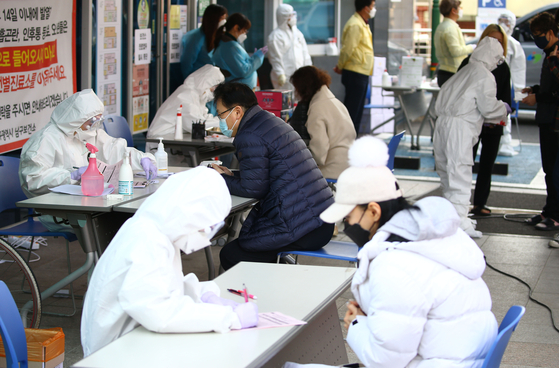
450,46
355,63
198,44
288,48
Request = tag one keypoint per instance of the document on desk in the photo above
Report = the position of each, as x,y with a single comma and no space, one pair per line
276,319
110,172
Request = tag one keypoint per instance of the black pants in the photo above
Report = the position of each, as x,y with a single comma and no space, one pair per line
356,85
549,147
489,149
232,253
443,76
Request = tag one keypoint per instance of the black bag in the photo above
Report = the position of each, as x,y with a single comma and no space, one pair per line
299,119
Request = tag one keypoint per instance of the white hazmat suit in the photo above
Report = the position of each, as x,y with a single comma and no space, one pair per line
193,95
465,102
139,279
516,59
287,48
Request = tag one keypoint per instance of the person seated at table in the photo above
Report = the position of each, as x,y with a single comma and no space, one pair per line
418,290
139,278
56,154
466,101
328,124
275,167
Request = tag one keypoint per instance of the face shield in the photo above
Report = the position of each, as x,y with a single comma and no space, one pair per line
506,23
94,123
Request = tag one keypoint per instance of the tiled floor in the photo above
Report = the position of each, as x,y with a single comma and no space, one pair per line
534,344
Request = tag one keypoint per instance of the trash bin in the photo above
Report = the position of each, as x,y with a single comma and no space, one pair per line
45,348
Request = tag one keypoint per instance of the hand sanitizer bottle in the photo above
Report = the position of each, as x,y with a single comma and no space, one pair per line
161,158
92,180
178,126
126,177
386,79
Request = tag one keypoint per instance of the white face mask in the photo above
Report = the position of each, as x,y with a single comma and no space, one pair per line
292,22
460,13
221,23
242,38
372,12
87,135
194,241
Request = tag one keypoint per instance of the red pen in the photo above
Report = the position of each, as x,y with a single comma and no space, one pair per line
241,293
246,293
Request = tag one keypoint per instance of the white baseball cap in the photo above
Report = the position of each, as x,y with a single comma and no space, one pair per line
367,179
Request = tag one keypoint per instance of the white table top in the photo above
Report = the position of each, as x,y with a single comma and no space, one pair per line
295,290
424,87
187,140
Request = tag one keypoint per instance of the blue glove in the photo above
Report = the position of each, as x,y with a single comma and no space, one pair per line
507,106
248,314
149,168
211,298
77,174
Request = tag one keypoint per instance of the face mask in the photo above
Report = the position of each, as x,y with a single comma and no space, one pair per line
506,28
356,233
86,135
224,128
242,38
192,242
460,13
541,41
292,21
372,12
221,23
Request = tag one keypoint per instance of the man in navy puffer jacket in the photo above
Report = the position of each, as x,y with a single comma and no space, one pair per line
276,168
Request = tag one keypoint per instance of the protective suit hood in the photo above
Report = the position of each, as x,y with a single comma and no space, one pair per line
488,52
204,78
511,20
71,113
283,13
187,202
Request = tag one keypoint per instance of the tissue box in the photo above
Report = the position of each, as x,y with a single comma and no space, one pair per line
275,99
283,114
45,348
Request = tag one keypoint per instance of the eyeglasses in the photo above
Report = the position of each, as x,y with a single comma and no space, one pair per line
223,112
210,231
94,122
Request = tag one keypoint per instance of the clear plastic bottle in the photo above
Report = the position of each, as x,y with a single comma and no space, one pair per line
126,177
161,158
92,180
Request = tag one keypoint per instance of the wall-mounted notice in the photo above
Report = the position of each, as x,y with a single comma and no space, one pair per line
37,70
178,29
109,43
143,14
140,97
142,46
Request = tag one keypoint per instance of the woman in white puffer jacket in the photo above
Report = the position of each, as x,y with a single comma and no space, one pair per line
419,297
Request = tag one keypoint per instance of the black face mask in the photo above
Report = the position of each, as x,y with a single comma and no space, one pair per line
356,233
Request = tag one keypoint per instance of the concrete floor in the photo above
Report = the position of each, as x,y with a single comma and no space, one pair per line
534,344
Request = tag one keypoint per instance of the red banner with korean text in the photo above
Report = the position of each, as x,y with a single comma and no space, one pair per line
37,65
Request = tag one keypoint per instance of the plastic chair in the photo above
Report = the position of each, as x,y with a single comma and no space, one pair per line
392,147
342,251
515,105
508,325
116,126
10,193
11,330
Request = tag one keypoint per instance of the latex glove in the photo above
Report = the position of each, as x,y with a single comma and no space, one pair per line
248,314
77,174
211,298
281,79
261,52
149,168
507,106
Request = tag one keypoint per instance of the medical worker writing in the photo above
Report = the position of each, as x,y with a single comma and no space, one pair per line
288,48
465,102
139,279
50,157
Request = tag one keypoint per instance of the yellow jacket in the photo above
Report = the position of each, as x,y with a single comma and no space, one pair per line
357,46
450,46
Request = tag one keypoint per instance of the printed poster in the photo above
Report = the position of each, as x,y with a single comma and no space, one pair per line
142,46
178,29
140,98
37,70
109,43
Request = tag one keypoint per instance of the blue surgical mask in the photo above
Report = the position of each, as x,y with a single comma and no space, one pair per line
541,41
224,128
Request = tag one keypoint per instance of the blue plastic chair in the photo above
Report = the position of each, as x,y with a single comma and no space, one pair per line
506,328
117,126
11,330
10,193
342,251
392,147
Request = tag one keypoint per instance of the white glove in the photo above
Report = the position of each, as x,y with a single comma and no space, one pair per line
281,79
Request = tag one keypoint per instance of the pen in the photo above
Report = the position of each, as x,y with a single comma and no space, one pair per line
241,293
246,293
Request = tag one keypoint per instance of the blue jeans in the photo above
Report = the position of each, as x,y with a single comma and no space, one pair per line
356,85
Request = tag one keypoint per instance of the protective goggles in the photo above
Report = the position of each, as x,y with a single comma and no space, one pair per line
210,231
94,123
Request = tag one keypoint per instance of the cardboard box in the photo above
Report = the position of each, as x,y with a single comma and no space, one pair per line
283,114
45,348
275,99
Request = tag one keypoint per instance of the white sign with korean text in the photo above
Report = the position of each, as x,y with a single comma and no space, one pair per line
142,46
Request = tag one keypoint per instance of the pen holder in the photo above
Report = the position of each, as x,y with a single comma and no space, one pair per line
198,130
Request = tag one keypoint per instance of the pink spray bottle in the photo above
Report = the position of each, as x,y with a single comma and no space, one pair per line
92,180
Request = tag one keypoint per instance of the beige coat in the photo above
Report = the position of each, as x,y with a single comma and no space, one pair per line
331,131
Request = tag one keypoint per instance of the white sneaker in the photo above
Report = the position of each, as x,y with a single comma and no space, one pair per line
469,227
507,150
554,242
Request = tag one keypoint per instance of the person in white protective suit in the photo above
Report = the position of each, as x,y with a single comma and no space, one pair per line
465,102
139,278
50,157
418,290
193,95
516,59
287,48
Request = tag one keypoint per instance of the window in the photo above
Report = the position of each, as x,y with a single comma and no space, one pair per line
315,19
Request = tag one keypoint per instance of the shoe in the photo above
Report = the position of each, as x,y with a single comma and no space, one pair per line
554,242
534,220
547,225
479,211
